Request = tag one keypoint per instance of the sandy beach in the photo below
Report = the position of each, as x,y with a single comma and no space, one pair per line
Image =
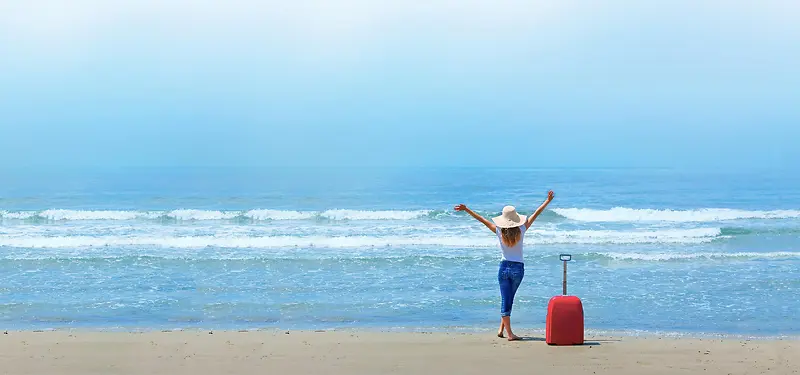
346,352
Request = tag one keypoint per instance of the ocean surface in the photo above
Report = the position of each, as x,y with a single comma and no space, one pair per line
653,250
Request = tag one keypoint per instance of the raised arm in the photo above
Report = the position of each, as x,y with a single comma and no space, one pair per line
480,218
539,210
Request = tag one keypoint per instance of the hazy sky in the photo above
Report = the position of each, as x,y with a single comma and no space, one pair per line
365,82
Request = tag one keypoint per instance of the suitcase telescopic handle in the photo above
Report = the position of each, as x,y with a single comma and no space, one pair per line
565,258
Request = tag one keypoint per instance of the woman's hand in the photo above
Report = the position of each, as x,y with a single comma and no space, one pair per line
550,195
460,207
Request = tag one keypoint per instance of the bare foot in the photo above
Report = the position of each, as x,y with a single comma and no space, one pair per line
500,334
513,337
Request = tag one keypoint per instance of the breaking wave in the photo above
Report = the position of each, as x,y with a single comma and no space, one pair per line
202,215
622,214
674,236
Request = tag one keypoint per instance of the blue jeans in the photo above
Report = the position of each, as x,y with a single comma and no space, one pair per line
510,276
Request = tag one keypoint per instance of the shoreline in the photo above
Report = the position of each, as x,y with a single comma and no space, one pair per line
633,333
362,352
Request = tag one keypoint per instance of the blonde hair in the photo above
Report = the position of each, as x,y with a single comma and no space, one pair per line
510,236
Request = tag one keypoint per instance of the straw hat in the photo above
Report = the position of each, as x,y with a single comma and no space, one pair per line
509,219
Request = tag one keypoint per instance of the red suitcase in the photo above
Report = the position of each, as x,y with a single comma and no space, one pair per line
564,316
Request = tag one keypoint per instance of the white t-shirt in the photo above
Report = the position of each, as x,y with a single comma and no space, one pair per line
513,253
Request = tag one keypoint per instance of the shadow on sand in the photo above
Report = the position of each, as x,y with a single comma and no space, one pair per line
585,343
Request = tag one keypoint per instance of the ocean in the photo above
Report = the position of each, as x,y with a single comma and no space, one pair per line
697,252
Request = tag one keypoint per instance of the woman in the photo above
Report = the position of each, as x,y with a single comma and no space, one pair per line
510,229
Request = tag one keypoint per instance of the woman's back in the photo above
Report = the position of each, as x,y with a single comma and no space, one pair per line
512,253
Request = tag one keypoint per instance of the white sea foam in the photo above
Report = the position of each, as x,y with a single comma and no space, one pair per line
57,215
237,242
226,240
201,215
373,215
206,215
676,236
263,215
23,215
690,256
618,214
622,214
